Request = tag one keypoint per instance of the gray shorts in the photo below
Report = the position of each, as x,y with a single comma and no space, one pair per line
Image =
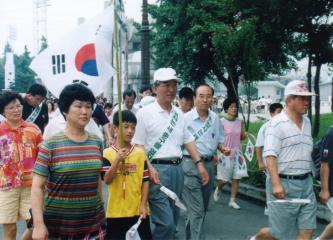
285,219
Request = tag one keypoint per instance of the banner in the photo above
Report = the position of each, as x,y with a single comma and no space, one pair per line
84,54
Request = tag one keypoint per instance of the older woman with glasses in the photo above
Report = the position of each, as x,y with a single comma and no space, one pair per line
19,142
68,166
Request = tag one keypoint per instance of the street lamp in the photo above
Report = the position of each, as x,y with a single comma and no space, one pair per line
145,55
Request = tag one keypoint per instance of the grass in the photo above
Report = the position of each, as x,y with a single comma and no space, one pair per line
256,177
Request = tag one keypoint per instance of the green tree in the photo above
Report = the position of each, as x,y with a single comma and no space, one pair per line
220,39
24,76
43,44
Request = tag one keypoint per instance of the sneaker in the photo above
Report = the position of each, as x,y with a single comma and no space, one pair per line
216,195
234,205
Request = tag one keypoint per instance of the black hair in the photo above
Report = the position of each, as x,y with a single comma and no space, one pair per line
7,97
186,93
72,92
37,89
107,105
203,84
128,116
145,88
52,105
129,93
228,102
274,106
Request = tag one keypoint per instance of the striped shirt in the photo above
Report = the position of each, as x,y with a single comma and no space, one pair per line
290,145
72,203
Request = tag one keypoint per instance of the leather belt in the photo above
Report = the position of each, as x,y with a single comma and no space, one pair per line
295,177
203,158
170,161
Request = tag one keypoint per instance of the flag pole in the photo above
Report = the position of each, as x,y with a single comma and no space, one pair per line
120,116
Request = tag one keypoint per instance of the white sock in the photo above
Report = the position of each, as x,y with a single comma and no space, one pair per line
232,199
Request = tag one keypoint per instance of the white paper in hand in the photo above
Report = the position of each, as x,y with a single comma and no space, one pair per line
132,233
330,204
174,197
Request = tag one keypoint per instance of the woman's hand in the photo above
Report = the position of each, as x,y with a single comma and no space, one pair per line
40,232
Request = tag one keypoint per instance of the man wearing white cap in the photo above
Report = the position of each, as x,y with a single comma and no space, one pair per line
287,149
161,131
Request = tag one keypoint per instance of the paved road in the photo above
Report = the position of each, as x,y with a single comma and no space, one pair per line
225,223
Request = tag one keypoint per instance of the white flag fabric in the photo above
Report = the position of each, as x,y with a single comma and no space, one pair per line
249,150
84,54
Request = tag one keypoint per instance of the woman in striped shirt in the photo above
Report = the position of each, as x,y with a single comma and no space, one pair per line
68,166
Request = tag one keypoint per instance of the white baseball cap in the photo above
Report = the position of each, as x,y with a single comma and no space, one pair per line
297,88
165,74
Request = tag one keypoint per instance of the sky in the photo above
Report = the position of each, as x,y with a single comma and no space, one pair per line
16,17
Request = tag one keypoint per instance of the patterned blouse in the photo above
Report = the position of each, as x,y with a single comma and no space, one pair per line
18,152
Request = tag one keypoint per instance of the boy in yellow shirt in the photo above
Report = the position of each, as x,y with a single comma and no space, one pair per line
126,174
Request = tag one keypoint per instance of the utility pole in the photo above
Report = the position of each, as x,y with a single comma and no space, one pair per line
145,55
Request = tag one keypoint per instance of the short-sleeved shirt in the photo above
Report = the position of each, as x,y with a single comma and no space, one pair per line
126,204
290,145
152,122
18,152
72,205
327,156
207,142
261,138
42,118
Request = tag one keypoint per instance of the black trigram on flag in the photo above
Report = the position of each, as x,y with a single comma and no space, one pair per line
58,64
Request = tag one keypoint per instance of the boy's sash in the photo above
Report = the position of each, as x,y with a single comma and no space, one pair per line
164,136
34,114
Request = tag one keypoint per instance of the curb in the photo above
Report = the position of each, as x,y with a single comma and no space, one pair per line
259,194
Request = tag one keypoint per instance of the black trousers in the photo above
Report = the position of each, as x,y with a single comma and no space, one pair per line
117,227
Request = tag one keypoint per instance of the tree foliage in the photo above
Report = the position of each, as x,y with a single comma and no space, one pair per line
24,76
43,44
222,39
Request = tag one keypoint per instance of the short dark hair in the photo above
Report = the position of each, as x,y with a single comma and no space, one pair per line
7,97
274,106
128,116
203,84
186,93
227,102
37,89
129,93
145,88
108,105
72,92
52,105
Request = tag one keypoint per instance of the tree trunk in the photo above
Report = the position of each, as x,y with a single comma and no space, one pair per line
145,54
316,125
332,97
309,77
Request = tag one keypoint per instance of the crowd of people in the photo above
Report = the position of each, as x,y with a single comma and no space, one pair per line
55,155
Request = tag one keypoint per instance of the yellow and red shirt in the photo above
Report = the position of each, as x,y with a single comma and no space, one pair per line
18,152
125,189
